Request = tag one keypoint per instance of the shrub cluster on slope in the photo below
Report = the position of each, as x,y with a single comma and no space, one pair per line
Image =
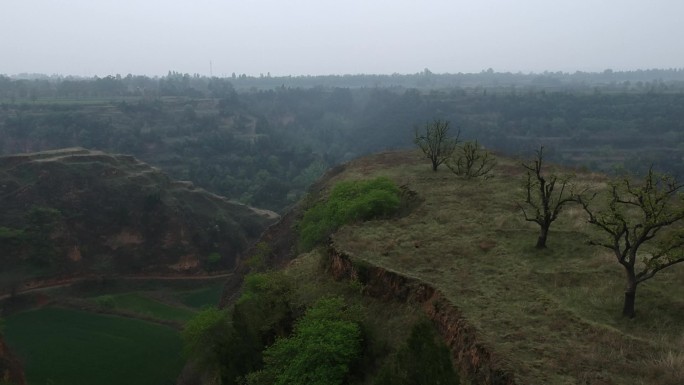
228,344
320,332
348,201
326,341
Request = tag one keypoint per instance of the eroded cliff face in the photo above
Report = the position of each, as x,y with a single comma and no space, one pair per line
76,211
472,358
10,369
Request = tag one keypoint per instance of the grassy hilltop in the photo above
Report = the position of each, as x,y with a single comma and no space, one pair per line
547,316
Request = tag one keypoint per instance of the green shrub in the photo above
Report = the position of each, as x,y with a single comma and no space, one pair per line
348,201
228,344
321,351
42,217
105,302
213,258
10,234
202,333
264,309
207,340
258,261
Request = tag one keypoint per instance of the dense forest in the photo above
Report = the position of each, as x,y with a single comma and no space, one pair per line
263,140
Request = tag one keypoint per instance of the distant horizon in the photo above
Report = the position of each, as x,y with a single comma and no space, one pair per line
36,75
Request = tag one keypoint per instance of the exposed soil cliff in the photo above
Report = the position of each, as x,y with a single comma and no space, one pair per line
472,358
74,211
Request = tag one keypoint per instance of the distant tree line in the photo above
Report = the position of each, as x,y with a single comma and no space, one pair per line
265,146
174,83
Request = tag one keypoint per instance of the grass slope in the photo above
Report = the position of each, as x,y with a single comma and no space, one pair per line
554,315
53,342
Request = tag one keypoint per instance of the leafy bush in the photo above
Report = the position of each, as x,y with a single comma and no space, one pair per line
204,333
106,302
264,309
228,344
11,234
348,201
325,344
213,258
258,260
212,343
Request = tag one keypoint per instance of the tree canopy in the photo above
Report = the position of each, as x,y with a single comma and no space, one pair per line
634,216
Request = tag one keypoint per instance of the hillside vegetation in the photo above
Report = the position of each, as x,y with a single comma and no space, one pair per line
72,212
547,316
530,316
263,141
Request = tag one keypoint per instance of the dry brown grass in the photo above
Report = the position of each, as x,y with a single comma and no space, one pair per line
555,313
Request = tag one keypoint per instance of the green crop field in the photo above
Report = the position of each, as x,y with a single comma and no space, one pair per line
69,347
207,296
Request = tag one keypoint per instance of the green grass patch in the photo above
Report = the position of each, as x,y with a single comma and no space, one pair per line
207,296
70,347
348,201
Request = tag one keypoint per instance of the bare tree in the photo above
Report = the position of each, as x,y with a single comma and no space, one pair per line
435,142
471,161
634,216
543,202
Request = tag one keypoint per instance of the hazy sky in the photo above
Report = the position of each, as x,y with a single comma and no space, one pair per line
296,37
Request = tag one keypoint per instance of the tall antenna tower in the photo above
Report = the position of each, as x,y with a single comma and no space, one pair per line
211,70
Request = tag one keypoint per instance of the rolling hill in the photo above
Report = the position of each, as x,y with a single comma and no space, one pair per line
75,212
510,313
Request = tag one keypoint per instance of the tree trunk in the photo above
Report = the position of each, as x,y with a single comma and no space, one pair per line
628,310
543,234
